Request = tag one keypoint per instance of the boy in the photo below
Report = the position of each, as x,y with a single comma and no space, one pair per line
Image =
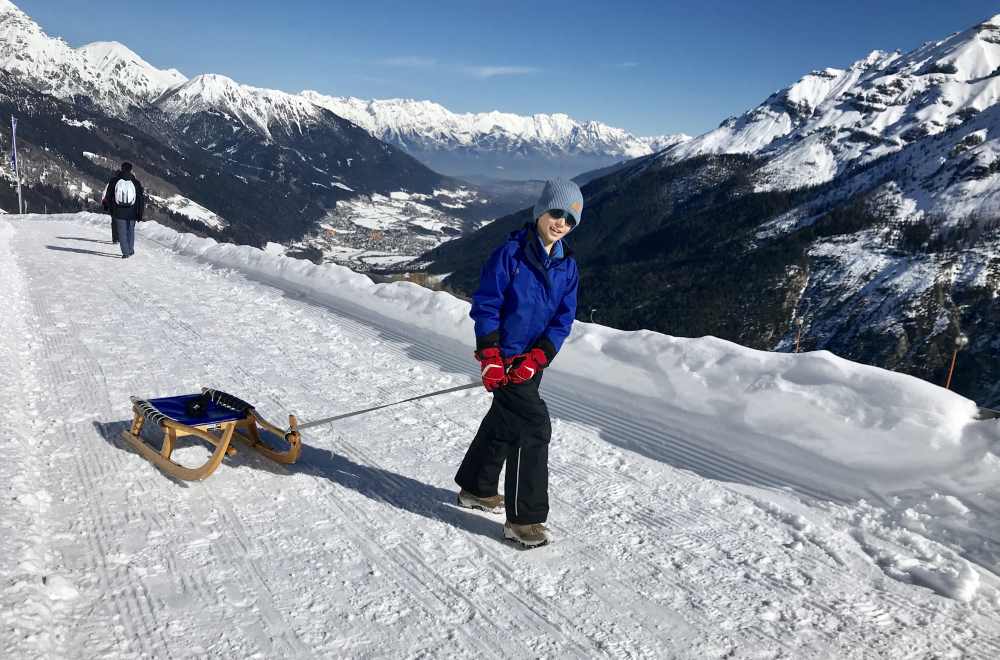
523,311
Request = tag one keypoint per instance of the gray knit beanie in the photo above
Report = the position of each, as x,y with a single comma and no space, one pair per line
560,194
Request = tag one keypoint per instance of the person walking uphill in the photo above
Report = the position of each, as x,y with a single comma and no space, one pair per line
125,202
523,311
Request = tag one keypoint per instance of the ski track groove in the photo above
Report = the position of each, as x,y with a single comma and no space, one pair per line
130,605
403,573
530,602
694,542
692,546
133,605
250,577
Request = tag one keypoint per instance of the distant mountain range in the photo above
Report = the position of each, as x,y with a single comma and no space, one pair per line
862,202
494,144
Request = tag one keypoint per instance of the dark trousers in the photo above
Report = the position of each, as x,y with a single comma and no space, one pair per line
515,431
126,236
114,231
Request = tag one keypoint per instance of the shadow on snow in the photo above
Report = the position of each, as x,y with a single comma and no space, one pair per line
378,484
79,251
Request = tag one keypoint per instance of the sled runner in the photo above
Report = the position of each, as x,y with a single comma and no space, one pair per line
199,415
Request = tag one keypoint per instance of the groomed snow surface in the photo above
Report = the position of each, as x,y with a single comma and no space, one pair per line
708,501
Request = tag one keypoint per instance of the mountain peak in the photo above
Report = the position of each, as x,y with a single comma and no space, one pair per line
111,57
7,7
212,81
876,58
107,71
255,107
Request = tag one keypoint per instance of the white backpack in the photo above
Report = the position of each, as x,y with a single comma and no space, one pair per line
124,193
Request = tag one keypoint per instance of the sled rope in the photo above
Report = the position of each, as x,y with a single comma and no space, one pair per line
327,420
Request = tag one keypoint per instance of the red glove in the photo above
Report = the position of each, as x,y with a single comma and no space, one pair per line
493,372
522,368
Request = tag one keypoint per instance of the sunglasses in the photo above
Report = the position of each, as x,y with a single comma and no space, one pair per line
559,214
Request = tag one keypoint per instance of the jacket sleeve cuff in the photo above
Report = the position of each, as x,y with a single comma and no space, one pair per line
546,347
488,341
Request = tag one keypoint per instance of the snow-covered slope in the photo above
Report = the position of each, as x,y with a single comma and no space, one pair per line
253,106
429,130
114,62
707,500
106,72
836,119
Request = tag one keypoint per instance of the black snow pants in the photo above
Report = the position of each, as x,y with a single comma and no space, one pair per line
516,430
114,231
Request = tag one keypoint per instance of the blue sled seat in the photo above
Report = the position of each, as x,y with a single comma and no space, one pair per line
175,408
218,419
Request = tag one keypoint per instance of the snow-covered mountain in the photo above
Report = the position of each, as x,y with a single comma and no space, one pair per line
107,74
836,120
254,107
495,144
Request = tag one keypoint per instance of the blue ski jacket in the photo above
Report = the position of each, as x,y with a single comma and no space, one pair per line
526,298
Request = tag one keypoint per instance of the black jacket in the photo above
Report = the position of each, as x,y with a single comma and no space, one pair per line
133,212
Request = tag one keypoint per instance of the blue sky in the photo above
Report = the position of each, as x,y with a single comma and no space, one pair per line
648,67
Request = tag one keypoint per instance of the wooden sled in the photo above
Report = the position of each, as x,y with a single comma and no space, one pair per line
229,417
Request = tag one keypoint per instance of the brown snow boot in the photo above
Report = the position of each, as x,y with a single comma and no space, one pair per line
529,536
493,504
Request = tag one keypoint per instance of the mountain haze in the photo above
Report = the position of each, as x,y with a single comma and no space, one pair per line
497,144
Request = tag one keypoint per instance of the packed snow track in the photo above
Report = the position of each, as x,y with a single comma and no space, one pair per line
359,550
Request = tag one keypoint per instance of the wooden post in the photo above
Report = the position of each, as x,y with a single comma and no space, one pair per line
951,369
961,341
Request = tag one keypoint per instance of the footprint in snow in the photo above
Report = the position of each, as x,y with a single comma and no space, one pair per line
59,588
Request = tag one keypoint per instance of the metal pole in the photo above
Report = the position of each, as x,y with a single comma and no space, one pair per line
798,333
17,164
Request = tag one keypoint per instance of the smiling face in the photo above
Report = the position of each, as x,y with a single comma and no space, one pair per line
551,230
